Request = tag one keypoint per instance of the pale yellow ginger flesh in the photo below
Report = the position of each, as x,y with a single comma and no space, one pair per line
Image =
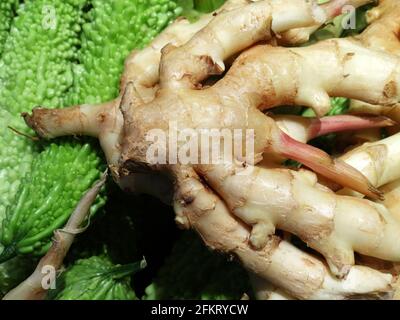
333,9
240,103
378,161
164,83
335,225
382,168
382,34
264,290
299,274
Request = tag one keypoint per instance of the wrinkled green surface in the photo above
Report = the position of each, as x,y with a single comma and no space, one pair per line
114,28
95,278
45,204
194,272
7,11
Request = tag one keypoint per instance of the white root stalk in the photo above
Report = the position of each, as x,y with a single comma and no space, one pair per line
33,287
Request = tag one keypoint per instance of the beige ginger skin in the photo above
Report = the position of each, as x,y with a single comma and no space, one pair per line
262,77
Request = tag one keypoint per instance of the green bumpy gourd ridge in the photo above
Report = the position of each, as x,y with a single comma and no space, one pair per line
95,278
44,204
32,72
7,11
115,28
190,262
12,147
36,69
16,156
36,66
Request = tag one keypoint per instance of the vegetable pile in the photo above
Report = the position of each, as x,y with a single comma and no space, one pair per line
306,209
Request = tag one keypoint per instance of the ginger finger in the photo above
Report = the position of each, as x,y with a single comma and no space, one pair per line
378,161
391,202
297,273
384,29
333,225
305,129
102,121
142,67
235,97
382,34
331,8
336,67
229,33
237,106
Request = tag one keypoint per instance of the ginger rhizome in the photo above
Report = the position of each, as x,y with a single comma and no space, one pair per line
223,73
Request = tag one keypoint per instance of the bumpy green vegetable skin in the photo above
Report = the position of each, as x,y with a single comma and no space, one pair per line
46,198
185,270
36,68
16,155
95,278
7,10
39,53
115,27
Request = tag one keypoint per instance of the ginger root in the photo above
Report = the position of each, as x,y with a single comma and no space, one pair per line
166,83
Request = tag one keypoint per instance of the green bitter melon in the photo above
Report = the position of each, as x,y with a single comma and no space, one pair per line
95,278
